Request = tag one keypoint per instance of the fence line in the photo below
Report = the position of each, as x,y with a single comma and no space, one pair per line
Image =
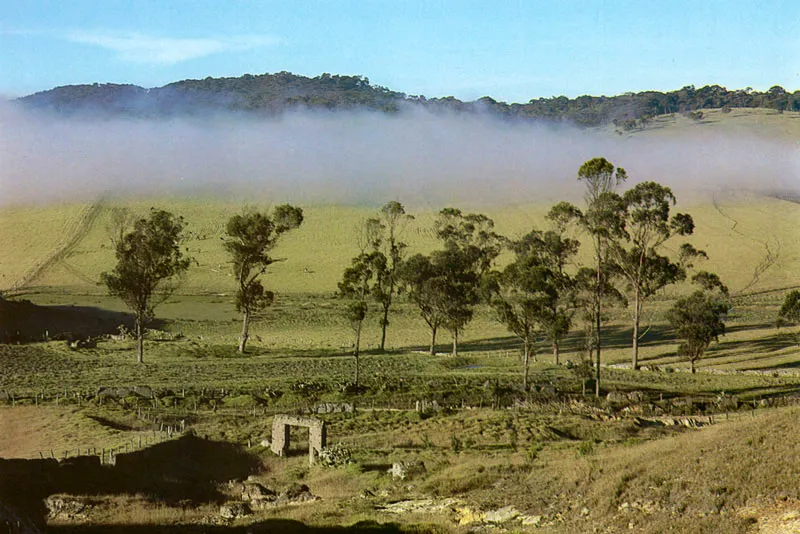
108,455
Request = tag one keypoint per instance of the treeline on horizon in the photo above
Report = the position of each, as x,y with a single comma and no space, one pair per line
272,94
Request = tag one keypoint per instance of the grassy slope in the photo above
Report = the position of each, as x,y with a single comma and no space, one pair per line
735,229
722,478
751,241
740,233
766,123
28,429
30,234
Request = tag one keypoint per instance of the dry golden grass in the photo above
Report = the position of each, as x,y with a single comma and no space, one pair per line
29,430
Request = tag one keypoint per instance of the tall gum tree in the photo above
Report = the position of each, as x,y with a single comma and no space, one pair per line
249,240
391,221
470,248
427,290
359,280
602,220
790,311
150,263
648,225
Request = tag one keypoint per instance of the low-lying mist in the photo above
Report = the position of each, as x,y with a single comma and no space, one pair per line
362,158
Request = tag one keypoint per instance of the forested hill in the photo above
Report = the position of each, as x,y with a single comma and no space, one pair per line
270,94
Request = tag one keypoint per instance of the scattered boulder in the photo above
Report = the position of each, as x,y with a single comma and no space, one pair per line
636,396
336,455
296,494
531,520
617,397
421,506
144,391
235,510
253,491
66,508
469,516
404,470
501,515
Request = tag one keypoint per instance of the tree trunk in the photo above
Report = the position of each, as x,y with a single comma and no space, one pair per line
139,339
637,309
691,362
433,340
245,329
526,364
357,350
384,324
556,352
597,319
455,342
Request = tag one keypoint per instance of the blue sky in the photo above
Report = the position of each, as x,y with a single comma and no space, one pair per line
510,50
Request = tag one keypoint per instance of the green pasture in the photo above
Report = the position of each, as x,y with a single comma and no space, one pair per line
756,122
53,255
751,242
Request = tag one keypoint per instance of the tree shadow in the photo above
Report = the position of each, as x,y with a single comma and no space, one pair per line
23,322
188,469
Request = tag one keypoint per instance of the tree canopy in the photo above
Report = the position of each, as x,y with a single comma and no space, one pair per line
282,91
250,238
149,264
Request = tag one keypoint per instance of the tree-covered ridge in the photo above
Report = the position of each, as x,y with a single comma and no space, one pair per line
274,93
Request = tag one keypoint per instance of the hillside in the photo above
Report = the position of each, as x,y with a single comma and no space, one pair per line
269,94
758,231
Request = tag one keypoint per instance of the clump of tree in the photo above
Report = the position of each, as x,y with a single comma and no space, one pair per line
150,263
601,221
699,319
446,284
445,289
249,240
645,217
533,295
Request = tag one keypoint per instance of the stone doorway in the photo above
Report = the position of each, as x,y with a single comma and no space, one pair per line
317,434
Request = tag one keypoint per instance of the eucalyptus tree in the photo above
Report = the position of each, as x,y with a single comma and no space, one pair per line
249,240
523,295
790,310
470,248
699,318
150,263
603,220
648,225
391,221
426,289
358,283
533,295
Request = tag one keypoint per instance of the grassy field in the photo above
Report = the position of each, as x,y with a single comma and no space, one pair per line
575,463
755,122
750,241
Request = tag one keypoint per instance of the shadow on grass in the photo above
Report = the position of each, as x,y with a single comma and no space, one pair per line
22,322
187,469
269,526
